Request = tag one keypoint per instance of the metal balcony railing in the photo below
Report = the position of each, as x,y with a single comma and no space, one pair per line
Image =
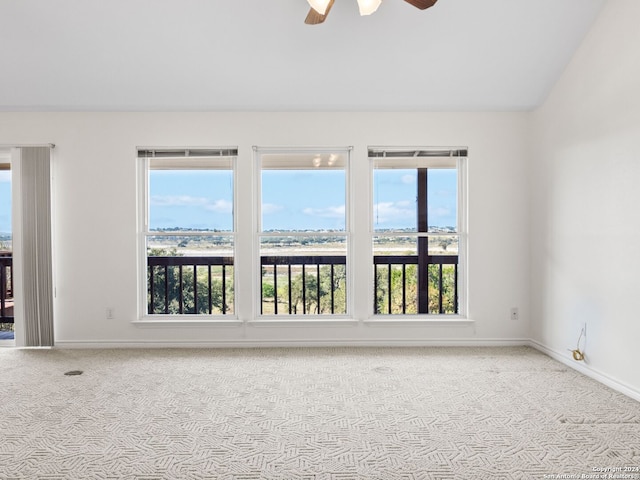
190,285
307,285
399,289
6,287
314,284
291,285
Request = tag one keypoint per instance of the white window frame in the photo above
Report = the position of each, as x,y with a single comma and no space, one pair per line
461,154
191,158
258,234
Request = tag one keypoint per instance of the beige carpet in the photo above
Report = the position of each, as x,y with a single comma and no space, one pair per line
328,413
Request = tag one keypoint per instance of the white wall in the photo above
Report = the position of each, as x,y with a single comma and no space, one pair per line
585,201
95,215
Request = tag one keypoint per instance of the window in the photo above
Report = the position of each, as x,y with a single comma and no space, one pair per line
303,232
188,232
418,231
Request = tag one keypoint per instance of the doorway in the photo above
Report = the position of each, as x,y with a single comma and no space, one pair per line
7,332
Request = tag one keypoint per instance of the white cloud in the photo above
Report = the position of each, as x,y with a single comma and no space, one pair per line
178,201
5,176
386,211
439,212
220,206
268,208
328,212
408,179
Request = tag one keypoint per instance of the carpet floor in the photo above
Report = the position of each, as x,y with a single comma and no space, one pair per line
303,413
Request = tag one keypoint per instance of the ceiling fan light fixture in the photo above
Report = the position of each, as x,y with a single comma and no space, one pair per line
319,6
367,7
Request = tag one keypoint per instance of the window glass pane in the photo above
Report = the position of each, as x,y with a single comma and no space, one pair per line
190,275
395,197
189,245
407,245
191,200
303,275
442,199
397,272
396,275
443,245
303,200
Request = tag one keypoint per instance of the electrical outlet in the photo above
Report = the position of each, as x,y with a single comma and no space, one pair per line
110,313
514,313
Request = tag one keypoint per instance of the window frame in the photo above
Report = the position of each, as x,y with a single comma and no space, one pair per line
347,234
183,154
461,156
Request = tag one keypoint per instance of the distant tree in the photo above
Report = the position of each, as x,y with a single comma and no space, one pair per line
445,242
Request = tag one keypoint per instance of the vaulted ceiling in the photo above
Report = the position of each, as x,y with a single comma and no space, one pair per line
258,55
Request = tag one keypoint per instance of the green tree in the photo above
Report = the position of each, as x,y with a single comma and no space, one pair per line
306,299
172,282
448,289
394,288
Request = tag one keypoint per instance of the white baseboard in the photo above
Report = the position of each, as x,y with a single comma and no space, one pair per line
445,342
587,370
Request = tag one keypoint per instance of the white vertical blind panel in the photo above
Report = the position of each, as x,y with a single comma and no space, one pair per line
37,288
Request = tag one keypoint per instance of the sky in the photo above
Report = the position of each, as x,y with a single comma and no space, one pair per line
191,199
5,201
296,199
395,194
291,199
303,200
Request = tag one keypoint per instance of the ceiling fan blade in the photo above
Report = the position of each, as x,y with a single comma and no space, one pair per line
315,18
422,4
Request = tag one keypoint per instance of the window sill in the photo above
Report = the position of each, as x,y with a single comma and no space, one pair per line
387,320
302,322
420,320
186,321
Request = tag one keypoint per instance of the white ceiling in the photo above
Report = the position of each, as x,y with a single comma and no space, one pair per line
255,55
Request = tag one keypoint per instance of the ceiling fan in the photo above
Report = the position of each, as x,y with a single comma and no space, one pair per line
320,8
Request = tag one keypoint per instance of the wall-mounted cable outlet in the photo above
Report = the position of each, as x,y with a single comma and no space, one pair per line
578,353
513,314
110,313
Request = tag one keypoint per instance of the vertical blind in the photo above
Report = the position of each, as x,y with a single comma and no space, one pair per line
37,276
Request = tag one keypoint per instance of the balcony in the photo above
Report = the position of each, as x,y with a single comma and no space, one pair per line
6,296
291,285
303,284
